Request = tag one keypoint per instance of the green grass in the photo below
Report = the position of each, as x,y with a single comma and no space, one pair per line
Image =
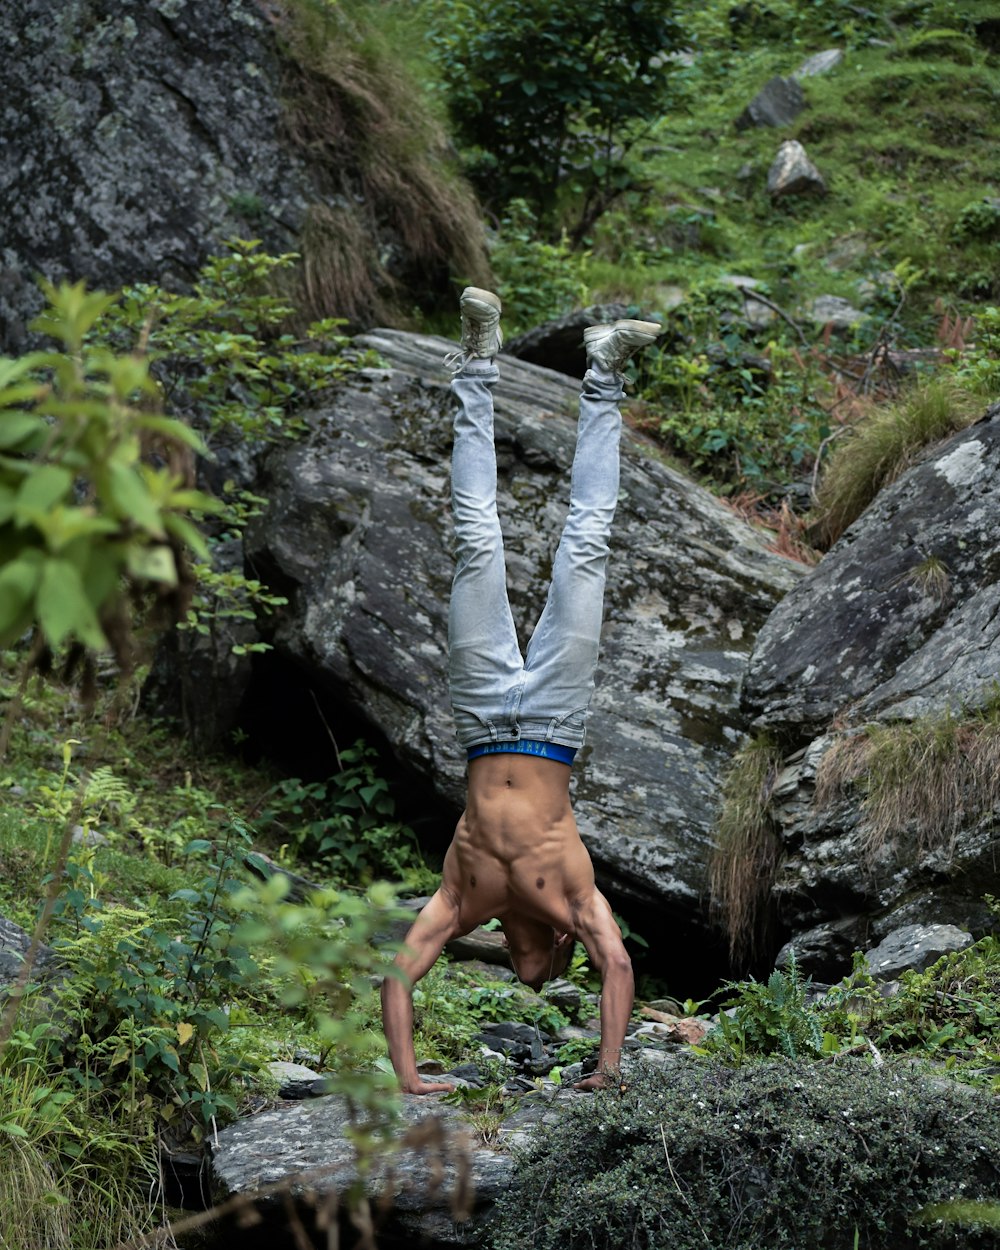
746,853
920,780
874,451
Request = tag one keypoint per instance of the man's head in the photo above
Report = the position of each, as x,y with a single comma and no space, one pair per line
538,952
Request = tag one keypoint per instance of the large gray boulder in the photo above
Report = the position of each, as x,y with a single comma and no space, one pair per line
440,1183
869,632
138,135
778,103
898,623
358,536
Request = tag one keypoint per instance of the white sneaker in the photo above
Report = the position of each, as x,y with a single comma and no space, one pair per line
481,333
612,344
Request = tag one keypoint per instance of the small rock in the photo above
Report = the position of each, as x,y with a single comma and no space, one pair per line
833,311
793,173
564,995
82,836
915,946
295,1080
820,63
778,103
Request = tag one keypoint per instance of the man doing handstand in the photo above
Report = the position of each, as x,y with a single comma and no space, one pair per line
517,854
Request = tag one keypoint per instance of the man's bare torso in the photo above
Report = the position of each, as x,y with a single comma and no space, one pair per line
517,844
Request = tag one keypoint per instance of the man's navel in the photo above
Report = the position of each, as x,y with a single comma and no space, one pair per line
540,883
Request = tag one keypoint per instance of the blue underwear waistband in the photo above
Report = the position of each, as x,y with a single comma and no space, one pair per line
525,746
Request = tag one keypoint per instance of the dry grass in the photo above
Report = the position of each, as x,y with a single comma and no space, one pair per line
922,780
746,854
876,450
393,213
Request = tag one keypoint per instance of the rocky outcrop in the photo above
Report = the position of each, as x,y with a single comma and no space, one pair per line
899,623
358,537
139,136
440,1182
869,632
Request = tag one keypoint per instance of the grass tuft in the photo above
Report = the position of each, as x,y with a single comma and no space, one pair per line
882,445
746,854
924,779
404,217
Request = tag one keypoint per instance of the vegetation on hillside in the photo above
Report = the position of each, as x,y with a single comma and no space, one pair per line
188,972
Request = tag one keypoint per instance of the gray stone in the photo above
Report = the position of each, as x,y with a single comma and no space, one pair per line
358,536
860,640
295,1080
83,836
860,635
916,947
831,310
824,952
139,135
14,946
304,1146
778,103
793,173
819,63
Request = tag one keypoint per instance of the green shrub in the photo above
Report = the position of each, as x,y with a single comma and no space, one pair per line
777,1154
536,280
86,511
774,1017
346,824
545,95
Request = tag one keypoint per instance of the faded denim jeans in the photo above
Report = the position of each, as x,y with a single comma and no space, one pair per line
497,695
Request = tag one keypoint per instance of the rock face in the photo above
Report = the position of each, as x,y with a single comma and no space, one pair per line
358,537
558,344
139,136
866,633
870,636
442,1181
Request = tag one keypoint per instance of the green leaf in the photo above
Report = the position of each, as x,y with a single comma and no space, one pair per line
152,564
63,608
18,581
132,499
43,489
16,428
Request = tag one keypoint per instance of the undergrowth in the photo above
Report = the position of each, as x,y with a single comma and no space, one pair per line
779,1153
875,450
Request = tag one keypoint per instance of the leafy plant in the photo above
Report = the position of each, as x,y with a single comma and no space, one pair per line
86,511
537,280
149,1001
550,95
346,822
769,1018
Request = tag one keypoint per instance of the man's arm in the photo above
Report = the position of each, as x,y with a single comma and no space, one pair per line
436,925
597,930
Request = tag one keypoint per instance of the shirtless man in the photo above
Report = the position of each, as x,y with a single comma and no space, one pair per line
517,854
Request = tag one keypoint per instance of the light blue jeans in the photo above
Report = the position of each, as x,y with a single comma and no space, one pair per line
497,695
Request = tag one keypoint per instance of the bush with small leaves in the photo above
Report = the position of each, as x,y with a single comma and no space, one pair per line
780,1154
